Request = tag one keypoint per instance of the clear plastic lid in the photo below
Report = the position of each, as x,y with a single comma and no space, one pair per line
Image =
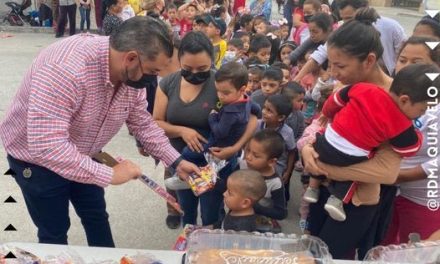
427,252
219,246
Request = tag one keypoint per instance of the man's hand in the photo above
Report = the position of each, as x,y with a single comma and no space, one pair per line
185,168
125,171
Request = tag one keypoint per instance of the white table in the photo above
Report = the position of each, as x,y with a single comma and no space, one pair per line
91,254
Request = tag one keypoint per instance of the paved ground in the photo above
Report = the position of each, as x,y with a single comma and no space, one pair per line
136,214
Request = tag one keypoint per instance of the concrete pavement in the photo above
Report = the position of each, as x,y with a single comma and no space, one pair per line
137,215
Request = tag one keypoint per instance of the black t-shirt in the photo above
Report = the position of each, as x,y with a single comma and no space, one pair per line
240,223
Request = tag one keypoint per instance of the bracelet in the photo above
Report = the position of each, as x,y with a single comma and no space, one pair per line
176,163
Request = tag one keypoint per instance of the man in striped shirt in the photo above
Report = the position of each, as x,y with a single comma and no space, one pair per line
74,98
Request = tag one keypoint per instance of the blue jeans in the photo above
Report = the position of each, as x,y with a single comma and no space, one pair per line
47,197
85,17
211,202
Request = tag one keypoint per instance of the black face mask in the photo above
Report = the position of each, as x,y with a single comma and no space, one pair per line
142,82
195,78
307,18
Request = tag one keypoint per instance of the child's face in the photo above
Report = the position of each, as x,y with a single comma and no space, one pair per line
297,102
212,31
254,81
284,31
286,76
246,40
227,93
317,35
191,12
172,14
284,54
260,28
118,7
256,156
297,20
270,115
269,87
248,27
264,55
308,10
196,26
233,198
410,109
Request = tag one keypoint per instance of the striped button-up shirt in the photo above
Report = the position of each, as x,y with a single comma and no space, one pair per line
66,110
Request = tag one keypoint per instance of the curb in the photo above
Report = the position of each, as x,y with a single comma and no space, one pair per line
411,15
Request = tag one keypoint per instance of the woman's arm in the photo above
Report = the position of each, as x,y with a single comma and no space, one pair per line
227,152
413,174
383,168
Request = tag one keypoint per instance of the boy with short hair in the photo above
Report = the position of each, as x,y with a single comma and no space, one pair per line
234,51
270,85
215,30
244,189
295,93
260,47
262,153
254,80
285,70
229,123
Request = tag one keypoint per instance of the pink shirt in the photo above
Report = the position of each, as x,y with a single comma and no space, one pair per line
66,110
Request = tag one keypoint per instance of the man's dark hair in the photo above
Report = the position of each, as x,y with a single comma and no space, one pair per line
273,73
272,142
413,82
146,35
259,42
234,72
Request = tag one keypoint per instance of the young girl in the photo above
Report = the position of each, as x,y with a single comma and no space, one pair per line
173,19
300,31
112,20
284,30
283,55
308,82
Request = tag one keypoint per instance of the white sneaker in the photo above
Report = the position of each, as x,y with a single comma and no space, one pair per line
175,183
335,208
311,195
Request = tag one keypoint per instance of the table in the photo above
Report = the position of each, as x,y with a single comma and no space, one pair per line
92,254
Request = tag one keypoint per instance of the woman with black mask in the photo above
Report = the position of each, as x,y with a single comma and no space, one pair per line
183,103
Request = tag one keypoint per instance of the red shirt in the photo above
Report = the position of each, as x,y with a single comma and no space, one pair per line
366,115
66,110
185,27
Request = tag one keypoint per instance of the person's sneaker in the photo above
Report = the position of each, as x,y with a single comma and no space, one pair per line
276,228
311,195
175,183
303,224
335,208
173,221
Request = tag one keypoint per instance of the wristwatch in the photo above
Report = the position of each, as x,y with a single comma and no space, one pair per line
176,163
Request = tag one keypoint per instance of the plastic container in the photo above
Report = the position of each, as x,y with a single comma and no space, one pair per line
219,246
427,252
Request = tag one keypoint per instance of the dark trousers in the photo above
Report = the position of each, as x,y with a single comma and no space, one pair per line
85,17
343,238
47,197
328,154
65,11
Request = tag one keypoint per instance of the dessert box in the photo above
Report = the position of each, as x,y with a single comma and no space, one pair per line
229,247
426,252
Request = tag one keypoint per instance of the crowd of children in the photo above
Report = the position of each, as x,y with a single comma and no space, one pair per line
257,61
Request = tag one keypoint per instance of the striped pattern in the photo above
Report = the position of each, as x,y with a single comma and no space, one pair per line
66,110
